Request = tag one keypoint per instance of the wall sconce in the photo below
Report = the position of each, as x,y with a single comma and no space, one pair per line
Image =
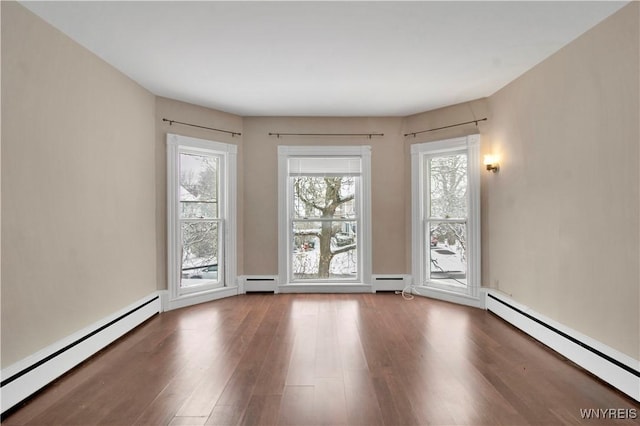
491,162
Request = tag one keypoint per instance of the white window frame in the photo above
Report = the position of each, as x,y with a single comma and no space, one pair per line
227,285
285,214
470,294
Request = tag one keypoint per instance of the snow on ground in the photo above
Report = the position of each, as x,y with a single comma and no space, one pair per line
447,263
306,262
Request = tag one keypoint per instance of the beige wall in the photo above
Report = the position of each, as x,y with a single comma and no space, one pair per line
193,114
0,185
388,196
563,212
78,187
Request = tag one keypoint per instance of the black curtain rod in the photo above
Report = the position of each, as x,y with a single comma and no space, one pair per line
202,127
369,135
445,127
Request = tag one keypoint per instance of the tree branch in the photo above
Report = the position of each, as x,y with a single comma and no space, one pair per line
343,249
304,199
307,233
345,199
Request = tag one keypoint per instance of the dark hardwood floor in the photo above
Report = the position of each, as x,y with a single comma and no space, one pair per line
372,359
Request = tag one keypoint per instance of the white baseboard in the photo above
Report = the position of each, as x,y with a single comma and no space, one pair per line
324,288
196,298
29,375
612,366
395,282
259,283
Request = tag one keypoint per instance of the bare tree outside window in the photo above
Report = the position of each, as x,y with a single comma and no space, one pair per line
198,187
324,227
448,211
445,190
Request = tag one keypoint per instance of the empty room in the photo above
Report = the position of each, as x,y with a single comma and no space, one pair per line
320,213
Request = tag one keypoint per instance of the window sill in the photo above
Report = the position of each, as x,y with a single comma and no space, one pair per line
449,296
189,299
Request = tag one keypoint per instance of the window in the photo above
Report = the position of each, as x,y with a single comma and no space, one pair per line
324,214
201,210
446,215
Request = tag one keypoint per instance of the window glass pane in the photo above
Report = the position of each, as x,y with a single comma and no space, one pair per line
326,197
447,180
448,252
196,210
199,253
198,186
324,250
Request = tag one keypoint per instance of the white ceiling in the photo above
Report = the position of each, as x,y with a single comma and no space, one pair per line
323,58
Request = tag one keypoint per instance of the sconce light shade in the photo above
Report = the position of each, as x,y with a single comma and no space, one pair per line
491,162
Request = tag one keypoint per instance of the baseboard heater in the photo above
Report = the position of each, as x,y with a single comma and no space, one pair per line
389,282
260,284
604,362
26,377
